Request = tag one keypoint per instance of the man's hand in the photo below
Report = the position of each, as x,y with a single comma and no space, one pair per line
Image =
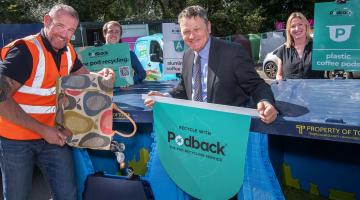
149,102
107,73
65,131
267,112
55,136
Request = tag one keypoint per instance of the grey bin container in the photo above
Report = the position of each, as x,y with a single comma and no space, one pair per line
270,41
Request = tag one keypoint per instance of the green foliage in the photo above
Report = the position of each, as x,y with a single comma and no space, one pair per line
254,21
227,16
24,11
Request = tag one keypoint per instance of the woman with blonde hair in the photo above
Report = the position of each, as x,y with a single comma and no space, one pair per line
295,55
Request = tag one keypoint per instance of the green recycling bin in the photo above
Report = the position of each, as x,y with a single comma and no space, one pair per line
255,45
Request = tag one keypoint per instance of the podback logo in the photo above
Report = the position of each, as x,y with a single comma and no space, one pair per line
192,142
343,12
179,140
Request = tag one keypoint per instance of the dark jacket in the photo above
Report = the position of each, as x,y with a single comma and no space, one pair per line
232,77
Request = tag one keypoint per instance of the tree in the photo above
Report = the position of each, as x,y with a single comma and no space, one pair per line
24,11
227,16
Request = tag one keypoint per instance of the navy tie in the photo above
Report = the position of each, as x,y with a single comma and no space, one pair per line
197,79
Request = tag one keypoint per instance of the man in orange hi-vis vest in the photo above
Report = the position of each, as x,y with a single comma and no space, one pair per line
30,67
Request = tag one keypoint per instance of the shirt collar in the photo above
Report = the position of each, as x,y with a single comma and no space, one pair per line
48,45
204,52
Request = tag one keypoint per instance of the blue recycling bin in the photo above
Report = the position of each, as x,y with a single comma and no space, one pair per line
310,144
308,152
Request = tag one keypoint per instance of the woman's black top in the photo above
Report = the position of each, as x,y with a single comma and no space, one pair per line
295,67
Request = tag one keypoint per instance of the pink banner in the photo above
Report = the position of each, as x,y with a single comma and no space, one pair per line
311,22
131,41
279,25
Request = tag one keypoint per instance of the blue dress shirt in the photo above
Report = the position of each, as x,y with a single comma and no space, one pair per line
204,58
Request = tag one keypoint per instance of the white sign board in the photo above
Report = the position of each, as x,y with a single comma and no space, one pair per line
174,48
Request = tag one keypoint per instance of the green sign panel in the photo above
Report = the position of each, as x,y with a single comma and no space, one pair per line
202,150
179,45
336,36
114,56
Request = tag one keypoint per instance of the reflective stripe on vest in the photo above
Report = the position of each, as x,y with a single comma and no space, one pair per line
38,109
40,69
69,58
37,91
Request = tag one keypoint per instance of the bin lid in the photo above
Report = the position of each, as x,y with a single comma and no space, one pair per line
316,108
317,100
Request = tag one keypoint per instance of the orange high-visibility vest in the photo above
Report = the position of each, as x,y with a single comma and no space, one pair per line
37,97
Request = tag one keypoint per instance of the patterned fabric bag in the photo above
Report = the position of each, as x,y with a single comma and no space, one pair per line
84,106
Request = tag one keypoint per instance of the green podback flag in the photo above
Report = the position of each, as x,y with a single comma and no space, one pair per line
336,36
202,148
114,56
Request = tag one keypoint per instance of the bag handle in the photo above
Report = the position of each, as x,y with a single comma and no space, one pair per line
115,107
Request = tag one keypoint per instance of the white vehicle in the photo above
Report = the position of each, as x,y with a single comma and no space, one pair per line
270,64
